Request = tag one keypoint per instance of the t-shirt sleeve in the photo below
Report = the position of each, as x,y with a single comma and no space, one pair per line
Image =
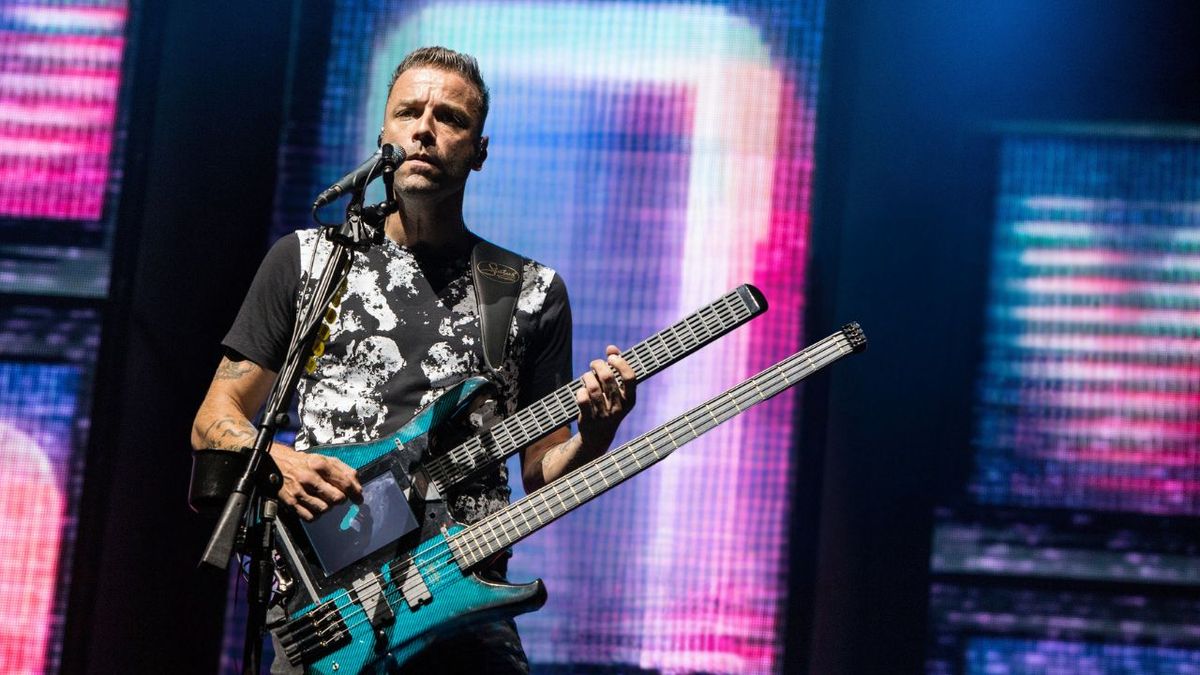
551,359
263,326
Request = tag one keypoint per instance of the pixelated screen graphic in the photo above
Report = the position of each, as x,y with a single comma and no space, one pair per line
1090,395
985,628
46,360
618,158
38,413
60,125
1087,450
60,84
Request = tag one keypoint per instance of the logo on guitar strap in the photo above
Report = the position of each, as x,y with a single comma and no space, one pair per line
497,272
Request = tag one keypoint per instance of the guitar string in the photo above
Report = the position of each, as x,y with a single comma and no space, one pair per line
649,441
725,314
723,402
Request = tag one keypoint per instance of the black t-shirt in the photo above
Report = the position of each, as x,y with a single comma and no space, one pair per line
407,329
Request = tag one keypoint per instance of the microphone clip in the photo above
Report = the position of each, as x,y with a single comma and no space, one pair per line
364,225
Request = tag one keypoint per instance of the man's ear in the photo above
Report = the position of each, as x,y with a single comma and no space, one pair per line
480,153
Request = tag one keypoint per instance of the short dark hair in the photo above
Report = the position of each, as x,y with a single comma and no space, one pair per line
447,59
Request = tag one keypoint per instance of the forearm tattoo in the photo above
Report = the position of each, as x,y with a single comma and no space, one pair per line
232,370
229,433
563,450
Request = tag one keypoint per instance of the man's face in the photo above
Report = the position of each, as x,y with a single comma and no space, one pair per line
434,115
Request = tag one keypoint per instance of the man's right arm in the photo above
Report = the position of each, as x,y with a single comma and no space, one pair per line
311,482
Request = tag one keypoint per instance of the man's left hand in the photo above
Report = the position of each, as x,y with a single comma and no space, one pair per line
605,399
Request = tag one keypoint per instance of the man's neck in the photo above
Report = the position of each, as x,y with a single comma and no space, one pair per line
436,224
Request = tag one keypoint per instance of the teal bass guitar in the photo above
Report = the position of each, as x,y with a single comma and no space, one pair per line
455,438
391,612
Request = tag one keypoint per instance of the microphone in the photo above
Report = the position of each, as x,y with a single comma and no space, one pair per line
358,177
392,157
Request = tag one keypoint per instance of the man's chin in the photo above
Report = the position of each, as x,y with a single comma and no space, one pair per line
420,187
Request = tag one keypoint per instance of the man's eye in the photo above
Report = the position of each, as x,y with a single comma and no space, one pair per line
454,120
406,113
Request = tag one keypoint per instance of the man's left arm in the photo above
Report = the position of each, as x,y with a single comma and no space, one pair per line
604,400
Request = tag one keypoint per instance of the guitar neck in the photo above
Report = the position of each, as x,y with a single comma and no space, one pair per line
558,408
496,533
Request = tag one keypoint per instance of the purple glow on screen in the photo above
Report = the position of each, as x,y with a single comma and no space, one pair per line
60,73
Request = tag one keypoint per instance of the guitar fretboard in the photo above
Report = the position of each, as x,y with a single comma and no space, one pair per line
496,533
558,408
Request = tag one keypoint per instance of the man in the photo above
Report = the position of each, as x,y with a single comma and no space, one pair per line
407,330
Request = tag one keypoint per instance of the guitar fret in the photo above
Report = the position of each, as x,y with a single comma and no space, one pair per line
548,415
560,500
513,524
690,427
495,532
710,414
675,342
671,437
526,433
656,353
687,335
508,437
634,359
481,543
473,551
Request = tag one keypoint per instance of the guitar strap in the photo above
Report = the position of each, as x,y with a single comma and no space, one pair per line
497,275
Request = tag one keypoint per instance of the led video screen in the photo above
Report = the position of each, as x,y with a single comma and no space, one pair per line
61,79
60,85
46,359
1087,450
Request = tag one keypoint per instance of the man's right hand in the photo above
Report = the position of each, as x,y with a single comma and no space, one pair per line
312,483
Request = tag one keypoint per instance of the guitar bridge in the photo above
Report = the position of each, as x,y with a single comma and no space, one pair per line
317,633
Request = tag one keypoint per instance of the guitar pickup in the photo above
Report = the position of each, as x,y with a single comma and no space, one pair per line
371,594
413,587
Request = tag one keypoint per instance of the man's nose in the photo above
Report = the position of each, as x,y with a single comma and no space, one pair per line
422,131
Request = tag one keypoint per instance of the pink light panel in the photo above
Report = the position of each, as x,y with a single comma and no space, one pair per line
60,72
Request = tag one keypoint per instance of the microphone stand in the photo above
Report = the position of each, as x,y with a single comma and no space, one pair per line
247,522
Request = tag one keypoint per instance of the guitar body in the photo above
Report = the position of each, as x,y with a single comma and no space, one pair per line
456,600
360,606
422,433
